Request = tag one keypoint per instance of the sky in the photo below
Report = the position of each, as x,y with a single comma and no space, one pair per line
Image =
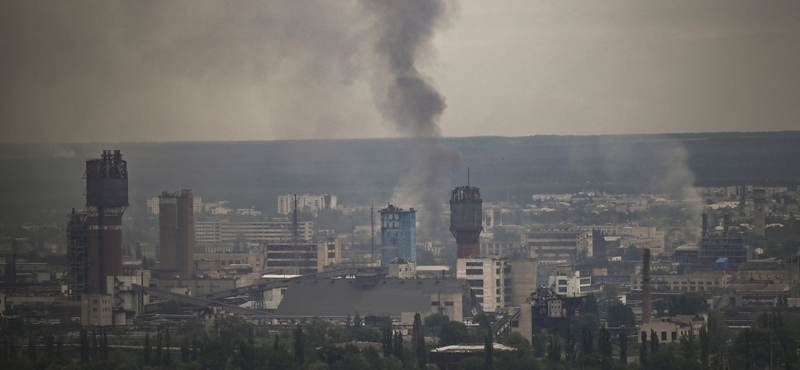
204,70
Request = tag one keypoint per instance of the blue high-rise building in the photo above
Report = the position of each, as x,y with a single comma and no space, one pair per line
398,234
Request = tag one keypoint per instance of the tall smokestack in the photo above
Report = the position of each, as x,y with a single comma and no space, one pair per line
646,303
759,211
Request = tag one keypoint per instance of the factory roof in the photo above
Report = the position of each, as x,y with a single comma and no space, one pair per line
379,297
471,348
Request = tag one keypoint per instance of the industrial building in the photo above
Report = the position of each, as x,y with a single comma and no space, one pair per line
498,282
547,310
398,234
94,236
466,221
306,202
556,244
223,231
298,259
176,232
728,244
374,295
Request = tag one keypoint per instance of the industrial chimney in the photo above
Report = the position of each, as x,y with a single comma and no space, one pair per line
646,303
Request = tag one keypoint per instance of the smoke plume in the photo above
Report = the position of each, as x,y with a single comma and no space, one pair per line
408,99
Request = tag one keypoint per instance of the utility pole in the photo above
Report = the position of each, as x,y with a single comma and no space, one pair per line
372,233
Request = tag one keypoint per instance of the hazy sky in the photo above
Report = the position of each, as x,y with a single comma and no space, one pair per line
90,71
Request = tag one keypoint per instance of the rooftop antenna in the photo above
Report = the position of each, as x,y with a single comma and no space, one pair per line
372,232
467,176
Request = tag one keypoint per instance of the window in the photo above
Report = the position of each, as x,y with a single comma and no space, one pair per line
474,263
497,282
562,289
674,336
448,303
474,272
475,283
477,291
562,282
663,336
434,303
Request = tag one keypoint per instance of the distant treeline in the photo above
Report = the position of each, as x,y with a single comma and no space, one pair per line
252,174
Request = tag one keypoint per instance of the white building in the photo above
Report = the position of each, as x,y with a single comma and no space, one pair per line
153,208
567,281
223,231
306,202
498,282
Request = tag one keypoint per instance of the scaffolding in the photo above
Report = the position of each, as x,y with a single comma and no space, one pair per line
76,254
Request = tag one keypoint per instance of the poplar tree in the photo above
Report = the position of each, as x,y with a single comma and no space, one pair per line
488,350
418,340
299,345
147,349
643,351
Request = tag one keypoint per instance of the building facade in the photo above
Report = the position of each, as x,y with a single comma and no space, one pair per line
498,282
96,310
306,202
303,258
176,232
223,231
398,234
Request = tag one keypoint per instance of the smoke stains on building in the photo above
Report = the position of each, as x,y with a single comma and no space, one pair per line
95,235
176,232
466,221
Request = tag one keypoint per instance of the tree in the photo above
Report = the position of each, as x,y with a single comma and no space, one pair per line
488,350
147,349
704,344
653,341
299,345
591,304
569,345
397,351
104,346
687,346
60,347
604,343
453,332
689,303
185,351
554,348
387,341
623,347
418,339
435,321
31,348
167,352
586,341
159,348
621,315
643,351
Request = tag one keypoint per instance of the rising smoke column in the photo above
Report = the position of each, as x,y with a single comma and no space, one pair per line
408,99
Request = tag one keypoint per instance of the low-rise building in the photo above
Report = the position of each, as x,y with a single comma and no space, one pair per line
96,310
697,282
672,329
